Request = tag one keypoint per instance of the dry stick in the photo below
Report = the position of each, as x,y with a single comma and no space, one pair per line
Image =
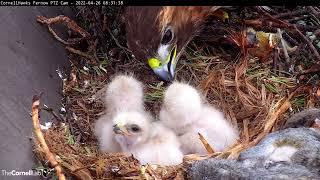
40,138
268,126
56,36
289,38
63,19
75,51
234,152
152,172
260,23
313,49
206,144
271,17
314,68
69,23
117,42
246,130
197,157
314,11
284,47
290,13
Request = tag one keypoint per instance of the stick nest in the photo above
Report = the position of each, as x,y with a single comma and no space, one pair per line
255,96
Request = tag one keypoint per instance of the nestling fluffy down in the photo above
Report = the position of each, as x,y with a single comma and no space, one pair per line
148,141
124,93
127,127
186,115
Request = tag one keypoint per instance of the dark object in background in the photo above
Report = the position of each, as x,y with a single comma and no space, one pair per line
305,118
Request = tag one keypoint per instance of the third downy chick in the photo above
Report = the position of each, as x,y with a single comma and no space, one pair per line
184,112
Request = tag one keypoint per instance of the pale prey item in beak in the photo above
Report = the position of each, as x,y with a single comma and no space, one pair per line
165,68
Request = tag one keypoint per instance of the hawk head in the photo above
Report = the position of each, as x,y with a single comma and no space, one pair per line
159,35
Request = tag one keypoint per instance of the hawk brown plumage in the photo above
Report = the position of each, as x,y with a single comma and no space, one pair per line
160,34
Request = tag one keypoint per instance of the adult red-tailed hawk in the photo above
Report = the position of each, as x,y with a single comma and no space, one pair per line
160,34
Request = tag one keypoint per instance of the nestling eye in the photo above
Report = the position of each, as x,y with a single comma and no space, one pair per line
135,128
167,36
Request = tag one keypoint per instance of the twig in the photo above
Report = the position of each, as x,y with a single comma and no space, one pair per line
68,114
235,151
313,49
117,42
197,157
314,68
265,13
314,11
40,138
206,144
290,13
275,63
75,51
68,22
153,173
246,130
260,23
289,38
56,36
284,46
51,111
271,121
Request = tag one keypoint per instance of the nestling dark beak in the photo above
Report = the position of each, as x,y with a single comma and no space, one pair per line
120,129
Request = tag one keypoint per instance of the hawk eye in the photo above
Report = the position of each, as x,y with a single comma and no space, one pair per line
135,128
167,36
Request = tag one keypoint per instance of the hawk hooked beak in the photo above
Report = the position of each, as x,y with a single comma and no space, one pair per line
165,68
120,129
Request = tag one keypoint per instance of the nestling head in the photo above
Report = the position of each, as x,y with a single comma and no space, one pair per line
181,105
131,128
124,91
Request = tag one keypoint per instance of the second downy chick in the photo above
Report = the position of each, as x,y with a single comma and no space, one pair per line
212,125
123,93
184,112
148,141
